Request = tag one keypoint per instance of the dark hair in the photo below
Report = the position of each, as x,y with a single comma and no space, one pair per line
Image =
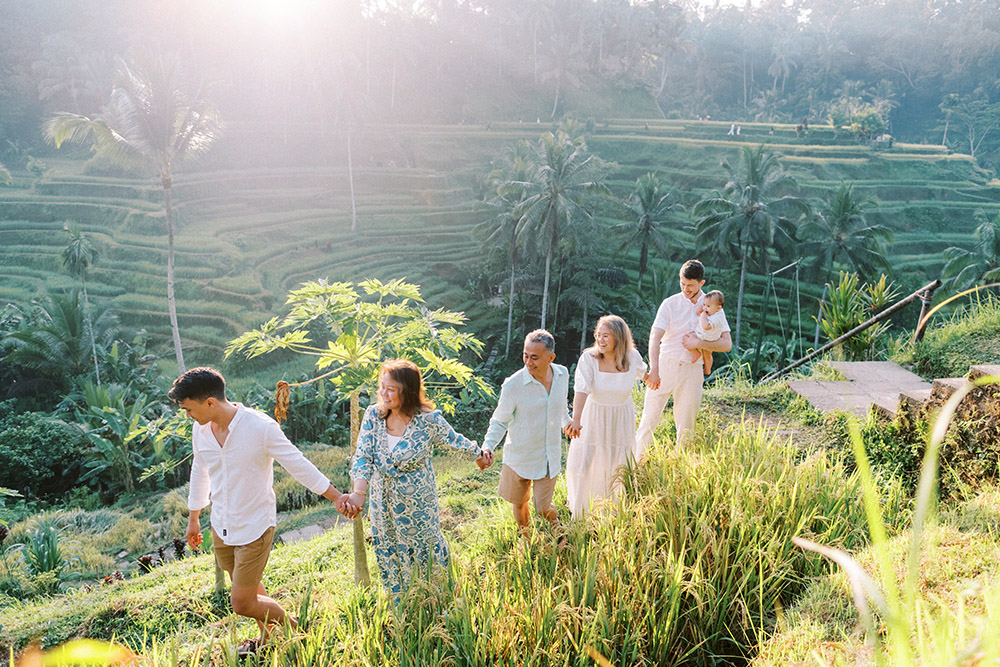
693,270
412,397
198,384
718,296
542,336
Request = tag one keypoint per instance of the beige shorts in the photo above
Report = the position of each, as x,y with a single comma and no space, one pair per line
244,563
517,489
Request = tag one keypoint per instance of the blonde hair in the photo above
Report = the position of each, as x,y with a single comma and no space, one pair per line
622,336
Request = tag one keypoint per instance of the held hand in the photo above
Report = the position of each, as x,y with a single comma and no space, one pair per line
573,429
193,535
653,380
356,501
485,459
344,507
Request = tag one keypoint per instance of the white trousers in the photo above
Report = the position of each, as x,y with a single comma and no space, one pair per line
684,380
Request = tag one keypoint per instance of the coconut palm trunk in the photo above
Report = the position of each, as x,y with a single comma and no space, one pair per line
90,330
739,299
175,331
510,296
350,178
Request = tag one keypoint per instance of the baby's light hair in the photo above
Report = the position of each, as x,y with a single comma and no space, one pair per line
718,296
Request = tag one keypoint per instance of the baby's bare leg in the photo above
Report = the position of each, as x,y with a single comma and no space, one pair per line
706,356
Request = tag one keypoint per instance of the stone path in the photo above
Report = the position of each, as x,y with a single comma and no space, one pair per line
879,383
311,531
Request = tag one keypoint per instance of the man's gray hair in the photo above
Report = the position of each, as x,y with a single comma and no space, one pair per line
542,336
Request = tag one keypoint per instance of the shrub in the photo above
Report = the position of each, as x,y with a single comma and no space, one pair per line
129,534
44,554
971,336
40,455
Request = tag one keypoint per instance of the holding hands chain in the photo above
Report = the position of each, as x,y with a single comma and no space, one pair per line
485,458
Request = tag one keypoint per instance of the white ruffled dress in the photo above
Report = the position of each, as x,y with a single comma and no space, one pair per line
607,436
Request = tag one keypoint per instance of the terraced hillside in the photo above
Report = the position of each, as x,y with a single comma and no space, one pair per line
248,231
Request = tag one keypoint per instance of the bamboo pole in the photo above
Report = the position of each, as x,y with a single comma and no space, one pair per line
931,286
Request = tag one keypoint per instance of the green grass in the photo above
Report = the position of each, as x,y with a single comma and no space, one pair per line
958,572
689,569
953,343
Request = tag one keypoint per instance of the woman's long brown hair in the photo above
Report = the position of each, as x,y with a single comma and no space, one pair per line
413,398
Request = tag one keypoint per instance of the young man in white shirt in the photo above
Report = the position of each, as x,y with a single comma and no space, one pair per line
671,370
532,411
233,466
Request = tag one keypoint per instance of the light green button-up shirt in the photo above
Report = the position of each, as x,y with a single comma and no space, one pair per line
533,420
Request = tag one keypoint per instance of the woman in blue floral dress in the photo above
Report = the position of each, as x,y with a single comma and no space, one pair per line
393,465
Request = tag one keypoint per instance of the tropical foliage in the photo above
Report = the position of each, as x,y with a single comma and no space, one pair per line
752,217
851,302
965,268
151,123
838,231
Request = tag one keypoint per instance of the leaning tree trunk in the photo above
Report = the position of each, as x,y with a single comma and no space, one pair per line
167,180
548,267
90,327
361,575
545,285
555,104
739,301
350,178
510,298
583,325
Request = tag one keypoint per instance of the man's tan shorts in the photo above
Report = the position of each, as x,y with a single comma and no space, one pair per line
244,563
517,489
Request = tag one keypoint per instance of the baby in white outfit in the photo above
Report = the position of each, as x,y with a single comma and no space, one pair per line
709,328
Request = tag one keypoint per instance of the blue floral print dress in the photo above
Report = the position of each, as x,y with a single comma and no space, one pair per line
402,492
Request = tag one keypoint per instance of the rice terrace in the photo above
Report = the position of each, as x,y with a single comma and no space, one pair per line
453,259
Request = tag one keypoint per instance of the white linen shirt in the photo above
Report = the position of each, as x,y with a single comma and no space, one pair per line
676,316
533,420
238,477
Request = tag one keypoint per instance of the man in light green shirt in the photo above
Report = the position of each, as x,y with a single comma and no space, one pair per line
532,411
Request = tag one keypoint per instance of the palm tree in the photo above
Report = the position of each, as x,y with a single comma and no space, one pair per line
566,180
52,349
751,216
839,231
781,66
669,24
504,197
150,122
563,62
79,255
964,268
537,15
652,203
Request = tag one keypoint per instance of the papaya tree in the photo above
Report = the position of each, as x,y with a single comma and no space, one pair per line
350,329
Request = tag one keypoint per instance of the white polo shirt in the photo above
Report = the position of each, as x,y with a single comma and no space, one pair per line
238,477
676,316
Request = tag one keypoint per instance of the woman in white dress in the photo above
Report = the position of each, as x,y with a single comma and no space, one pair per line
602,432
